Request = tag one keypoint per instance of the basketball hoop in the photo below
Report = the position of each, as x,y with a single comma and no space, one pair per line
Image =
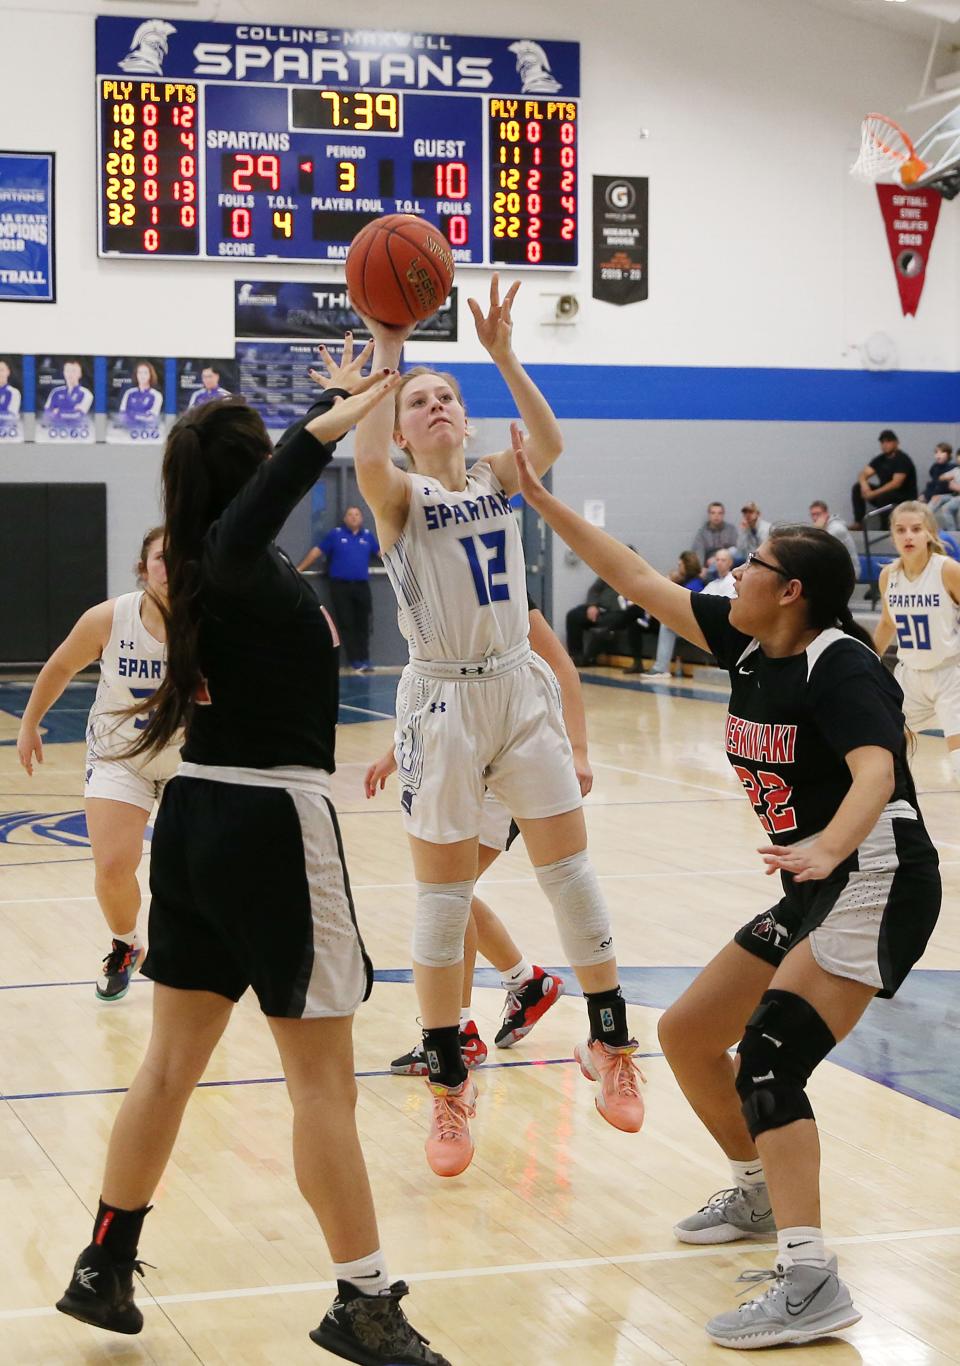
886,152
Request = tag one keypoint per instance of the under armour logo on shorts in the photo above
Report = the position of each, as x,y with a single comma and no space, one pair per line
438,706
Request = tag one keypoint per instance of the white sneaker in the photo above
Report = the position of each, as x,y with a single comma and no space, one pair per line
803,1303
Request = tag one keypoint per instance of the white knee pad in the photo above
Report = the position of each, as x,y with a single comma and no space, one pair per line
955,763
579,908
443,909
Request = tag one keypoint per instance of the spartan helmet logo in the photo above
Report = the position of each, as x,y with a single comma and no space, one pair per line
533,64
149,47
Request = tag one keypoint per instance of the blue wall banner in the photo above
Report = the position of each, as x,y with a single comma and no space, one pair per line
27,258
292,310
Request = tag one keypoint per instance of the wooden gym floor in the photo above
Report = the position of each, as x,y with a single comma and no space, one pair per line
556,1245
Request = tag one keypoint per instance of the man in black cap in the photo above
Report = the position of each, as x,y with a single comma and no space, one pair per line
890,477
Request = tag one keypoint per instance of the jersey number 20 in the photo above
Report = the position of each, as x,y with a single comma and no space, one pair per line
913,633
486,568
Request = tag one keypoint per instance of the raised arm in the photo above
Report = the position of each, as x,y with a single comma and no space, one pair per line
83,645
385,487
548,646
544,438
616,564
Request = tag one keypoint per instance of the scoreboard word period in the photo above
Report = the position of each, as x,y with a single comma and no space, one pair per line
270,141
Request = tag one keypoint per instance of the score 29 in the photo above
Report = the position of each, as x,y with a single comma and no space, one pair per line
246,173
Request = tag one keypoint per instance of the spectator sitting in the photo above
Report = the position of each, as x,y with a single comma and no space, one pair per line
754,530
821,516
724,585
890,477
948,512
715,534
601,600
687,574
936,492
627,617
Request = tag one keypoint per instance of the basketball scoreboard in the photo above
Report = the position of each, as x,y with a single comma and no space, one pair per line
226,142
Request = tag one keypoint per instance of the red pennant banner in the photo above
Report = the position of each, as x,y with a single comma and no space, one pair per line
910,217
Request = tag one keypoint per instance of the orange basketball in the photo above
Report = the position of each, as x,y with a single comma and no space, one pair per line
399,269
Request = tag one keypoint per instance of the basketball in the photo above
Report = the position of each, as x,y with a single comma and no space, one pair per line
399,269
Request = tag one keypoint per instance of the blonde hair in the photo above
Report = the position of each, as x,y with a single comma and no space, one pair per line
415,373
921,510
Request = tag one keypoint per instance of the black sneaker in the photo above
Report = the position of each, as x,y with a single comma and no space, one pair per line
118,967
373,1330
528,1004
101,1292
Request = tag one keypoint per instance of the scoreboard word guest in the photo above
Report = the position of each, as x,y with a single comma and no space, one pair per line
274,141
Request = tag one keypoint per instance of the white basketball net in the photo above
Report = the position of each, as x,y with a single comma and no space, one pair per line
885,152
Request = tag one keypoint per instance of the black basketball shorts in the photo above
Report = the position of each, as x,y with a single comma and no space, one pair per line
249,888
871,919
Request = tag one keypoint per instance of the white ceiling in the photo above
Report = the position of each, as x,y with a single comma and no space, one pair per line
912,16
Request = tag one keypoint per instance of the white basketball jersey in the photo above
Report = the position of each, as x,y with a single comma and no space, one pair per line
925,615
132,667
458,570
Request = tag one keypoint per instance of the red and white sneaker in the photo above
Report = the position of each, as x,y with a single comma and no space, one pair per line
619,1100
472,1049
527,1005
449,1146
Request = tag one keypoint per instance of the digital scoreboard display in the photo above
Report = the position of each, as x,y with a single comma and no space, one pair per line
245,141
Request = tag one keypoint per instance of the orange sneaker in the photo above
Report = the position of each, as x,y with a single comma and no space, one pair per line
449,1147
619,1101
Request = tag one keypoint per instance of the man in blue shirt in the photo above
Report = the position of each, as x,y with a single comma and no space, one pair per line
348,550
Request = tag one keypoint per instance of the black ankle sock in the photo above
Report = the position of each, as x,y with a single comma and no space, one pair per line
118,1230
441,1048
608,1017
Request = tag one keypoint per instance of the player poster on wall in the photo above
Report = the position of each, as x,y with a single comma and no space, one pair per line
295,310
205,379
64,400
134,400
621,256
11,398
27,262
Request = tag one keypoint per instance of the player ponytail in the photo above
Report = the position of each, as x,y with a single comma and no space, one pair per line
211,452
825,570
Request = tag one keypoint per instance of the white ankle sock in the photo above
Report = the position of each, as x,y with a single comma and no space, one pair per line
801,1245
464,1016
747,1175
518,975
366,1274
132,938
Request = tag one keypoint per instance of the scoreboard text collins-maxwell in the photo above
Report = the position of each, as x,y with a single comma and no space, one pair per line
253,141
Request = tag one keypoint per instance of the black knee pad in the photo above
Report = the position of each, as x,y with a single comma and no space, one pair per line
784,1040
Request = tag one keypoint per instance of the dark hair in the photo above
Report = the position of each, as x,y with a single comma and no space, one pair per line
716,504
211,452
154,534
945,446
819,503
691,563
888,434
825,570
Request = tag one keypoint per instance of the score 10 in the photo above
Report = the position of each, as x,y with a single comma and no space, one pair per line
243,175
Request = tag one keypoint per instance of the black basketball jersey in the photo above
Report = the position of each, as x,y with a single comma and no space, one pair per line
793,720
268,650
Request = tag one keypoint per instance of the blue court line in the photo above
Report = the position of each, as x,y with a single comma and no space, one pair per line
273,1081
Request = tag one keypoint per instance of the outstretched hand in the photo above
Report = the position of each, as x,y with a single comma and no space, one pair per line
496,328
345,413
812,863
528,482
347,373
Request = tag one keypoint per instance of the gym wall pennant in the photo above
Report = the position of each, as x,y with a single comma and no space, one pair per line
910,218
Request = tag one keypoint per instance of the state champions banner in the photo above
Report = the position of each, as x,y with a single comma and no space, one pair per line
27,260
910,218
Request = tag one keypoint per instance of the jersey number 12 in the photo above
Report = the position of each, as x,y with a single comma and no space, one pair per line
486,568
